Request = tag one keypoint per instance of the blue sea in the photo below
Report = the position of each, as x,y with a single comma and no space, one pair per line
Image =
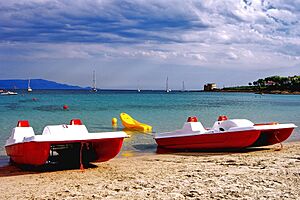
164,111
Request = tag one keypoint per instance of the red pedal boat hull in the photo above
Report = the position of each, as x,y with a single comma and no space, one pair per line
226,140
37,153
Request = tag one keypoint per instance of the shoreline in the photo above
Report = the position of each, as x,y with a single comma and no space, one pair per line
251,174
256,92
284,92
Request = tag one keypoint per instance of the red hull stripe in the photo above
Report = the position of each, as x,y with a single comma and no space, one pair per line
211,141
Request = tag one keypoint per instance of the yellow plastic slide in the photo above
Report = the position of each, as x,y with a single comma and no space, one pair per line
132,124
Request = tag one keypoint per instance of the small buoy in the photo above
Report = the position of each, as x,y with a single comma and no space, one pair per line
65,107
114,122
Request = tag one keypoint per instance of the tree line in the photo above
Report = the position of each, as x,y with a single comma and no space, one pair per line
291,83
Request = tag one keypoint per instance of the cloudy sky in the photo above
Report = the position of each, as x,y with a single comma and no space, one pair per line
141,42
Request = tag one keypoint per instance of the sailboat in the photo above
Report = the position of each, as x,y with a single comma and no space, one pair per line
183,87
94,88
167,85
139,90
29,88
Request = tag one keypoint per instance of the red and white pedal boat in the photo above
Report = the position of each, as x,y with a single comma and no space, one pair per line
225,134
70,143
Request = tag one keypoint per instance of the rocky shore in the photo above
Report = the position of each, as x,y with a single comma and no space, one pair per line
259,92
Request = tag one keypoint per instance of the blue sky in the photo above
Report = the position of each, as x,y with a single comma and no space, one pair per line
141,42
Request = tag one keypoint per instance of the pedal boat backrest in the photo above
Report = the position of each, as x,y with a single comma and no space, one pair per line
226,125
193,125
75,127
23,130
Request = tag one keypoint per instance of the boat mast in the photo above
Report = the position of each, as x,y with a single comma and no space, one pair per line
139,89
167,84
183,87
94,82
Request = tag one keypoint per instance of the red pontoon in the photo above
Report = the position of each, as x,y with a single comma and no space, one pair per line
70,143
273,133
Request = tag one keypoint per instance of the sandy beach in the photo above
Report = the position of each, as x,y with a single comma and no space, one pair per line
262,173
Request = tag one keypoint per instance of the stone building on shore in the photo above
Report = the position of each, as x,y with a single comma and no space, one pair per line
210,86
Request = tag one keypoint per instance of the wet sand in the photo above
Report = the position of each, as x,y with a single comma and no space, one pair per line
261,173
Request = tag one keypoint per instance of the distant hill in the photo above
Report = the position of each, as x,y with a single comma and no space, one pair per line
36,84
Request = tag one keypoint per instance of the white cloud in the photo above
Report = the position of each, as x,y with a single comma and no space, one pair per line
249,34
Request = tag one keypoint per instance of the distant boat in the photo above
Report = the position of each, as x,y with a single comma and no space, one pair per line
167,85
8,93
261,93
29,88
94,88
183,87
139,90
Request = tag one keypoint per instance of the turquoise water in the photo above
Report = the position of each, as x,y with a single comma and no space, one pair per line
164,111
